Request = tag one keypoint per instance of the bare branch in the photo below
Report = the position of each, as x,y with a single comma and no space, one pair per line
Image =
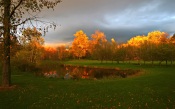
22,22
13,11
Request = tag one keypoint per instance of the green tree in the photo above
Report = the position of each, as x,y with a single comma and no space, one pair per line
13,14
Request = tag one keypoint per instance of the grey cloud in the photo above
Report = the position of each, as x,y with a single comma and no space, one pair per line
119,19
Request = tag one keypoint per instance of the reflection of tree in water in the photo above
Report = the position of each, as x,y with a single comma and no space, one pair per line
75,72
51,74
85,74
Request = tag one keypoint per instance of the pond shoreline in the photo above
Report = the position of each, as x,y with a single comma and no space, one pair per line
87,66
87,72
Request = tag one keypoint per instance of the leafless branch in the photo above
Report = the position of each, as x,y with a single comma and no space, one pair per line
22,22
13,11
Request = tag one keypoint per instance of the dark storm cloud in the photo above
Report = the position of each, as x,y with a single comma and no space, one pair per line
118,19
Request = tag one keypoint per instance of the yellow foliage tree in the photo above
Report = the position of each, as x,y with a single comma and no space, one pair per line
137,41
157,37
80,44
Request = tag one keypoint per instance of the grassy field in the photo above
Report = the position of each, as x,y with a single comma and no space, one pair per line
154,88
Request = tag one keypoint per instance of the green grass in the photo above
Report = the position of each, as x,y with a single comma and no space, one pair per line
153,89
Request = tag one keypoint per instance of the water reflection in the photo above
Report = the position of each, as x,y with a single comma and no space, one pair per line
51,74
72,72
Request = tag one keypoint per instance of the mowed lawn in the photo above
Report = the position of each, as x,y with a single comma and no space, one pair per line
153,88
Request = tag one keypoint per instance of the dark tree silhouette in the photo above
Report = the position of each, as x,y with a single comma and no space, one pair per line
12,16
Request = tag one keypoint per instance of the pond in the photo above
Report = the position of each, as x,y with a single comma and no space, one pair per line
77,72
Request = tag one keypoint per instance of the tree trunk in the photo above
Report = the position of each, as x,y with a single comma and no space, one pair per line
6,73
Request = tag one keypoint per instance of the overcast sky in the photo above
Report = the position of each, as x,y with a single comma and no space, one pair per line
118,19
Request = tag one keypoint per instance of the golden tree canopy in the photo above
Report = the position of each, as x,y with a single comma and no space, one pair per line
157,36
98,37
80,44
137,41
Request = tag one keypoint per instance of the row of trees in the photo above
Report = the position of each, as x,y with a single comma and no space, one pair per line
28,50
156,46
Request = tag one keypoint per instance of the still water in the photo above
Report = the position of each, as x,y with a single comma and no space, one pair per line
75,72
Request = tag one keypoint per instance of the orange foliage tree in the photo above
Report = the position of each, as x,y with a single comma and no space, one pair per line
99,45
32,48
156,46
50,53
63,53
98,38
134,47
157,37
153,47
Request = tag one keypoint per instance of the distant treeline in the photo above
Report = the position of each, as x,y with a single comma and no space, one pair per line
27,51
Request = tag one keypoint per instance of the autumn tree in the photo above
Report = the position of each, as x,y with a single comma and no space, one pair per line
31,51
157,37
103,51
172,39
113,49
134,47
15,13
121,53
165,52
62,53
98,44
145,51
50,53
32,42
149,48
171,42
80,44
